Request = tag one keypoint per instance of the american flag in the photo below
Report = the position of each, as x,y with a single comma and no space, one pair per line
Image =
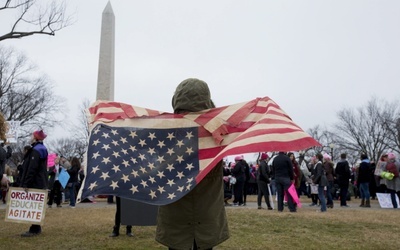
158,157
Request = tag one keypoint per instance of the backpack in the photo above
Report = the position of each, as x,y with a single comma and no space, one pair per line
392,168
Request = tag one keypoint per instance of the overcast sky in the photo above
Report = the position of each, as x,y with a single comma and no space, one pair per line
311,57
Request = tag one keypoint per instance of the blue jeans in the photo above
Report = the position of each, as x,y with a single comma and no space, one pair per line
321,197
329,193
72,195
364,190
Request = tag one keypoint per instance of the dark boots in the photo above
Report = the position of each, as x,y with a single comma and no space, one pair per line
115,231
367,204
362,203
129,231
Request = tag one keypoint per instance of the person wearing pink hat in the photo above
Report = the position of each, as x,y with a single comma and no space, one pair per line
393,185
34,173
263,179
239,173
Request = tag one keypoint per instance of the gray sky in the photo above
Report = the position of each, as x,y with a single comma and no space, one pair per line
311,57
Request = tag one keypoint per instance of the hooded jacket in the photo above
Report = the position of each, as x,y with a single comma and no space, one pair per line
200,215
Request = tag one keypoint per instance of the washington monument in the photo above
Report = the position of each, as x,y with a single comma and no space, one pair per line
105,79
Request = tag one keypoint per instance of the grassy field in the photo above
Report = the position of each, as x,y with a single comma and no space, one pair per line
88,228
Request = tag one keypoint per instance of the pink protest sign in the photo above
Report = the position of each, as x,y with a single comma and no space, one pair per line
50,159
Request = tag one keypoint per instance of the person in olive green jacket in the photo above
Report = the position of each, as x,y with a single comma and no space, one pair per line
198,219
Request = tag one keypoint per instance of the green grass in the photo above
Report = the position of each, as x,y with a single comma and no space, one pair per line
88,228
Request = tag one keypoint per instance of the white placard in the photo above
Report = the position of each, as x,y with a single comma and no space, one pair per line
23,207
385,201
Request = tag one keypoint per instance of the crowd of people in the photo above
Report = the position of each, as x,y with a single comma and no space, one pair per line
320,179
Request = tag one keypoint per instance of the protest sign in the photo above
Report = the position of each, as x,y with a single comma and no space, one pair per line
51,159
12,132
26,207
385,201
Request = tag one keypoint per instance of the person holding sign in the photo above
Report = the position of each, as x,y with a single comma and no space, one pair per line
54,183
35,172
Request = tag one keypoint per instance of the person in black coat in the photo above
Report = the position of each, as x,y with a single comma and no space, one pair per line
238,172
55,184
343,175
73,180
363,179
284,177
263,176
35,172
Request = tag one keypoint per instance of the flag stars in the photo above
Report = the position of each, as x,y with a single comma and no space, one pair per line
95,142
181,188
95,169
125,178
95,155
114,132
115,143
153,194
151,166
161,189
142,142
114,184
125,163
161,144
151,151
135,173
104,175
106,160
189,180
123,140
189,135
180,158
152,136
144,183
152,180
188,186
92,185
170,136
189,166
115,168
116,154
189,151
171,196
142,157
132,148
124,151
160,159
170,167
106,147
160,174
134,189
96,131
105,135
133,160
143,170
180,143
170,182
133,134
180,175
170,151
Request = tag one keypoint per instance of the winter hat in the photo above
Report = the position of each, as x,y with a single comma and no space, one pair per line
391,156
327,157
264,156
39,135
239,158
192,95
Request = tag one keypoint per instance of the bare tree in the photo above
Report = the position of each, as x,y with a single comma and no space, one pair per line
34,18
81,130
363,129
391,122
68,147
25,95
